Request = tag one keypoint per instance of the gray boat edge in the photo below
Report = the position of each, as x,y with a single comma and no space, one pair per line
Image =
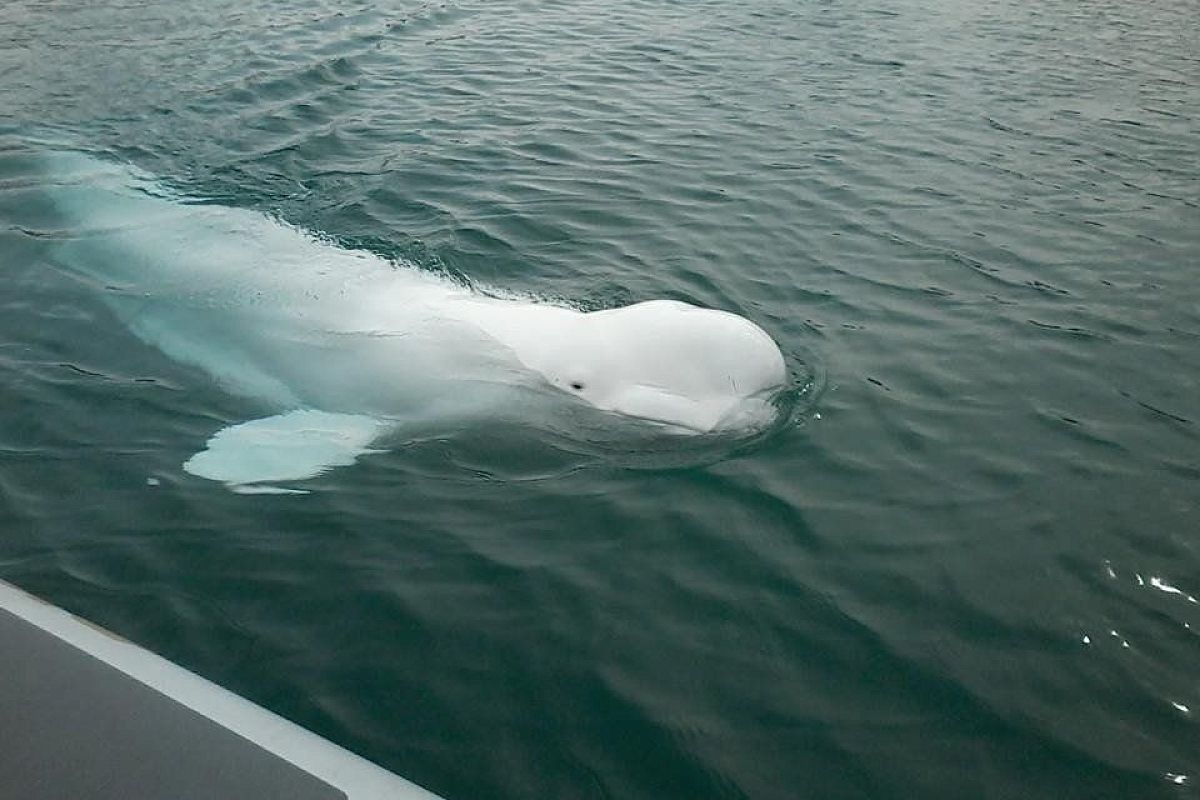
358,778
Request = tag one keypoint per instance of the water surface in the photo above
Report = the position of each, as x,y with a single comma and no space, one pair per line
970,571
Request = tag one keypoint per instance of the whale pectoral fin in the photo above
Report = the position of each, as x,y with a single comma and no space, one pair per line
250,456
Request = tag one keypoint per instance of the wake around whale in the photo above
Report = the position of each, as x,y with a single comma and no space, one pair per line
343,348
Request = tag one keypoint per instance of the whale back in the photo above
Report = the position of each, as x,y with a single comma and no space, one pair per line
271,312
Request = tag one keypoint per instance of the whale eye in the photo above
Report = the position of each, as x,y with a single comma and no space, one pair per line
577,386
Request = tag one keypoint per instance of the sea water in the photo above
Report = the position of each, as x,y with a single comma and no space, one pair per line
969,564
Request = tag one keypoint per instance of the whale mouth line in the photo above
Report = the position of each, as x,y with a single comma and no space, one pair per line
744,415
665,425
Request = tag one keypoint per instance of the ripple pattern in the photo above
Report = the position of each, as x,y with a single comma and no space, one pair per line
971,571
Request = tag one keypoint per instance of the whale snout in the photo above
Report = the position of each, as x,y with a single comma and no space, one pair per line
688,368
691,368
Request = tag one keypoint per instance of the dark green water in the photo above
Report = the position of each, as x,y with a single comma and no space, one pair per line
969,572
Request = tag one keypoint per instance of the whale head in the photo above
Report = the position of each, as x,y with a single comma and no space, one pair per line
692,369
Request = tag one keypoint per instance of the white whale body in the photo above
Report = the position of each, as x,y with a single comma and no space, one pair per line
342,347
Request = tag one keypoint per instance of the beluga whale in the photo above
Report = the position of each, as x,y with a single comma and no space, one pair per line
345,350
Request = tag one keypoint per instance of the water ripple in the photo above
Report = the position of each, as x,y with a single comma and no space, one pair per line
962,564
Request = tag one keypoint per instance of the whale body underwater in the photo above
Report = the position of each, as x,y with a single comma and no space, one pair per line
343,348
